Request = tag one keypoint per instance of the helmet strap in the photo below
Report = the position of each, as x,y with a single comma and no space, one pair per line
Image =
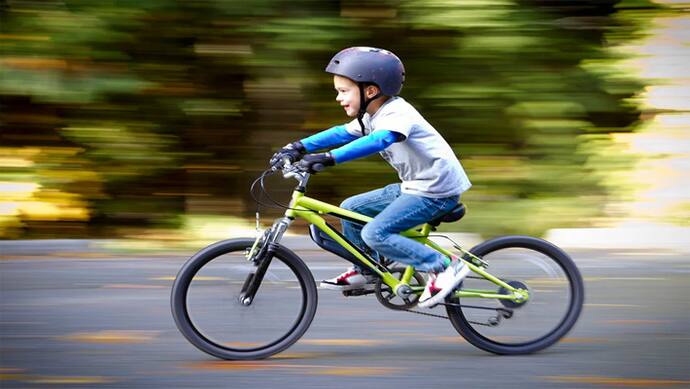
363,104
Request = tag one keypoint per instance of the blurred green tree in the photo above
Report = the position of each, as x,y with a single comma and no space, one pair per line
176,106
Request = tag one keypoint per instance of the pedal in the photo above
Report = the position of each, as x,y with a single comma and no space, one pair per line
367,289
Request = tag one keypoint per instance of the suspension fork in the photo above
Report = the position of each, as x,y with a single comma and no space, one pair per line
263,260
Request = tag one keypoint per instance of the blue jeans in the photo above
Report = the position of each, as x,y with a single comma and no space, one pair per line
394,212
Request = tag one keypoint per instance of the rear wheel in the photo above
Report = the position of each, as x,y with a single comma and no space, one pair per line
556,295
209,311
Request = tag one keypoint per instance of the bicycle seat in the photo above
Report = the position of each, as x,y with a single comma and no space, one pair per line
454,215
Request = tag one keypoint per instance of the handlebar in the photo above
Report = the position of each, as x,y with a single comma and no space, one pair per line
289,167
292,170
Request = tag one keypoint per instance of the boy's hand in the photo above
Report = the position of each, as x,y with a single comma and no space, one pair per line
293,151
314,163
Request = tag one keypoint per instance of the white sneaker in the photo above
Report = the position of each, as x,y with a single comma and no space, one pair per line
351,279
440,285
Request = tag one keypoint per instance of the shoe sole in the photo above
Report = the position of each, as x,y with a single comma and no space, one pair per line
441,295
339,288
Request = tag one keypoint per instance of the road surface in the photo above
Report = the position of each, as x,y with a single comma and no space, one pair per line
103,320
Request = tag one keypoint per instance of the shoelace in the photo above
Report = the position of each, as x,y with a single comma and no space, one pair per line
347,275
432,286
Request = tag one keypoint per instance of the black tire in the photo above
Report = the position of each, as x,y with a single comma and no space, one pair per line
285,261
486,337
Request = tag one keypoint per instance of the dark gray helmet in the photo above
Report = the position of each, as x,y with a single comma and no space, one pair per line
370,65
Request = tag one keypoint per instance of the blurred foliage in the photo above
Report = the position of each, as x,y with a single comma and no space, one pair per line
136,113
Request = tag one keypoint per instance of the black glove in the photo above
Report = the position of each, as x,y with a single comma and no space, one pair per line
293,151
314,163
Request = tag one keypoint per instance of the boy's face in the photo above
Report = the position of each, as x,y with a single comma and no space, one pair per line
348,95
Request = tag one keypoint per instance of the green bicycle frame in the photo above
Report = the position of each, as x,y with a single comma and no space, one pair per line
310,210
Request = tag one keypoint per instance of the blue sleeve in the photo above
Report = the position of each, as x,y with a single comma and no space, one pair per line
334,136
366,145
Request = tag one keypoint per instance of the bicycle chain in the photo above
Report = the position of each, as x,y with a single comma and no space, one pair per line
445,317
425,314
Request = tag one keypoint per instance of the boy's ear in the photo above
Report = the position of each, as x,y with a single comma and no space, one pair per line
372,90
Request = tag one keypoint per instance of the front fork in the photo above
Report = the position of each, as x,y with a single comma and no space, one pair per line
261,255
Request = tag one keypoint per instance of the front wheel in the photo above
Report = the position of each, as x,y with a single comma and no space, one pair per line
556,295
209,310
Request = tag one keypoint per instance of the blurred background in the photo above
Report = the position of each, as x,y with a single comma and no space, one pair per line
150,119
139,126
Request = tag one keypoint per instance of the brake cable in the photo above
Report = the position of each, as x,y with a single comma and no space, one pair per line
263,192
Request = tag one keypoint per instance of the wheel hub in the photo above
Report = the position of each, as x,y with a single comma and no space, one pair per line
522,291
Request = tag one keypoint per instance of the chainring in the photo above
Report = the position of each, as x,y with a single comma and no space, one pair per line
389,299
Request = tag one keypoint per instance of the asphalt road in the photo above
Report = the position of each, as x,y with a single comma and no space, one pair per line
70,320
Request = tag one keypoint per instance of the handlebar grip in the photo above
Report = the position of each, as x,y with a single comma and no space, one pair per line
317,167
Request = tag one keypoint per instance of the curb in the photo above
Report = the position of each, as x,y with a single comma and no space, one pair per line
628,237
51,246
40,247
631,236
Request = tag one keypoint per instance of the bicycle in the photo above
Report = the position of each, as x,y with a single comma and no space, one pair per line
529,279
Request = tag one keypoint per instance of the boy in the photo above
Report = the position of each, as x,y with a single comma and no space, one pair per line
368,81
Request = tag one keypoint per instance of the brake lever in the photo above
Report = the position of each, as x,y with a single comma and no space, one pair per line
291,170
282,166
